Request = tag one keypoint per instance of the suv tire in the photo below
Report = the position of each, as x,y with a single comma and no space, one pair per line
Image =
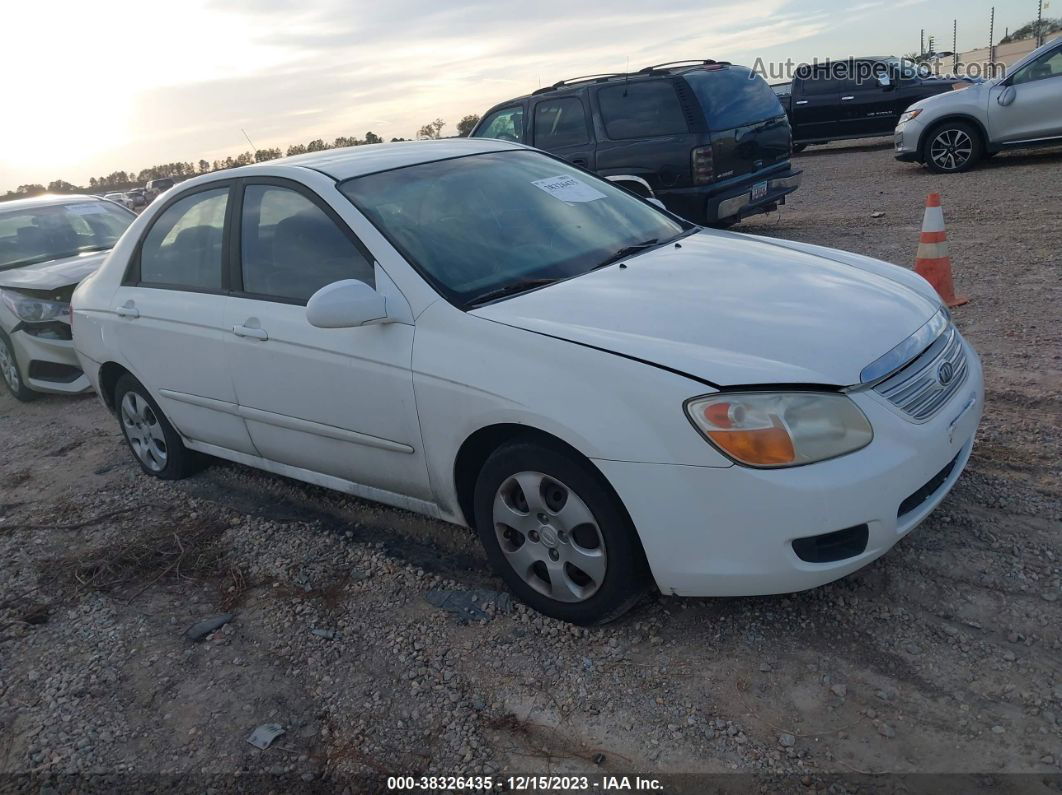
557,534
153,441
952,147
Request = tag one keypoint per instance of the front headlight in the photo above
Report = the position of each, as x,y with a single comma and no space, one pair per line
35,310
908,115
780,429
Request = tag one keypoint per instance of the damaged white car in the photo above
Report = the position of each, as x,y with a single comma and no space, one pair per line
47,245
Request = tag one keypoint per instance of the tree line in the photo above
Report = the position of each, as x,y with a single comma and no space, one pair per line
124,180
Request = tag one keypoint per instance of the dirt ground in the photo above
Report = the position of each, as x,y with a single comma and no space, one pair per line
945,656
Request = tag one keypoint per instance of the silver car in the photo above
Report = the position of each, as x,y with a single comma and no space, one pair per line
48,245
950,132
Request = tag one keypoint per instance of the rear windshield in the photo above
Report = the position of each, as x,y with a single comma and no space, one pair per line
733,96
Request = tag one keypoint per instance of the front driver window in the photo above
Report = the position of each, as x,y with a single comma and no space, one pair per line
506,125
1047,65
290,248
183,246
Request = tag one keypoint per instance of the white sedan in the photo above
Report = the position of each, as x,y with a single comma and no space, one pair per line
480,332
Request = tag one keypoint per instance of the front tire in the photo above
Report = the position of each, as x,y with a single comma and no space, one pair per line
952,147
155,445
558,535
9,372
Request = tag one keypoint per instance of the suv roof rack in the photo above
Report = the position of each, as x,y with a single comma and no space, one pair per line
606,76
694,61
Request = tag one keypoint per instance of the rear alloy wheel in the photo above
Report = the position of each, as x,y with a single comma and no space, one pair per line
557,535
952,148
9,372
155,444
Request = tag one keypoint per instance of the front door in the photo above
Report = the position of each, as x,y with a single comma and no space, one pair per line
333,401
1036,111
173,315
816,110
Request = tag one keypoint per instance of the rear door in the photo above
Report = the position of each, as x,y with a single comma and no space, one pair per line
643,130
333,401
560,125
866,107
173,312
816,106
1036,111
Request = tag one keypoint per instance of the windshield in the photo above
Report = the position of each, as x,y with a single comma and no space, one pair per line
54,231
479,224
733,97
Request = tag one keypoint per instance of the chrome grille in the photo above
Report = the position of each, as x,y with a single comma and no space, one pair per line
916,388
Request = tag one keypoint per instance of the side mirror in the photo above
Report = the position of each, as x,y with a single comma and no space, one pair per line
1006,96
346,304
884,81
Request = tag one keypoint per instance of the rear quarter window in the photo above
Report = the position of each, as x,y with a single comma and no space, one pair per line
641,110
733,97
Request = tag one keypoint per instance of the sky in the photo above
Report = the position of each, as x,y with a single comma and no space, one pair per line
95,87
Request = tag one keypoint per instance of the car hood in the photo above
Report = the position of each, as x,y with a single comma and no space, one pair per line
53,274
734,309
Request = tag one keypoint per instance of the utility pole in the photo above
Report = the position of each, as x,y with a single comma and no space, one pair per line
991,36
1040,23
955,45
922,42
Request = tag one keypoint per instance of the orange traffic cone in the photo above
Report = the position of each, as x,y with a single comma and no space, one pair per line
933,263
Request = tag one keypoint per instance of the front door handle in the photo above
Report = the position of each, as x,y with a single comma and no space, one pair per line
247,331
578,161
845,99
128,310
802,102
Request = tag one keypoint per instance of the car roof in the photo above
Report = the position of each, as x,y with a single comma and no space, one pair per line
47,199
355,161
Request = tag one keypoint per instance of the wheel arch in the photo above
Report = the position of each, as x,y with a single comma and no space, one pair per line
109,374
477,448
952,117
636,185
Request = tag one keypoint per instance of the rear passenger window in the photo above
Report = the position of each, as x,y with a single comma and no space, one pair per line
290,248
641,110
506,125
560,122
183,246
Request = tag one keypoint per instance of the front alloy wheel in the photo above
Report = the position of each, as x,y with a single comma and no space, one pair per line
556,532
953,148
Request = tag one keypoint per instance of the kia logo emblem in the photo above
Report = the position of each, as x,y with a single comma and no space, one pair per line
945,373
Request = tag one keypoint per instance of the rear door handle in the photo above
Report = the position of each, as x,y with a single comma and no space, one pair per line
845,99
247,331
579,162
127,310
802,102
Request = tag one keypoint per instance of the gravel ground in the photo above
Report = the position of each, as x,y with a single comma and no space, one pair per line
944,656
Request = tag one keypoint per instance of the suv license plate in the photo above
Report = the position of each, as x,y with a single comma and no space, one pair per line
759,190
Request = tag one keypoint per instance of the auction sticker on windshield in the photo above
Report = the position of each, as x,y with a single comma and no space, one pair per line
568,189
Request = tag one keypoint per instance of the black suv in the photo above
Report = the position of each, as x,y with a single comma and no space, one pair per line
709,139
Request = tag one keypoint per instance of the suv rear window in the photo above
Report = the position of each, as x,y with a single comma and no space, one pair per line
733,97
641,110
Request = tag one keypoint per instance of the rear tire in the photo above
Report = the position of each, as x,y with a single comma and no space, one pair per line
952,147
155,445
10,374
558,535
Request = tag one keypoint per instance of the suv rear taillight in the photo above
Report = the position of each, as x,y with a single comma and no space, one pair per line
703,166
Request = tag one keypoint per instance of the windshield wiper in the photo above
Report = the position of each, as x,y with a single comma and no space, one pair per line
626,251
510,289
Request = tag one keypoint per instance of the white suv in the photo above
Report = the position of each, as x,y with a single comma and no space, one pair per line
950,132
486,334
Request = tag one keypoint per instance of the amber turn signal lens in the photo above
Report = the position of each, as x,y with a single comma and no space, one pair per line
767,447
